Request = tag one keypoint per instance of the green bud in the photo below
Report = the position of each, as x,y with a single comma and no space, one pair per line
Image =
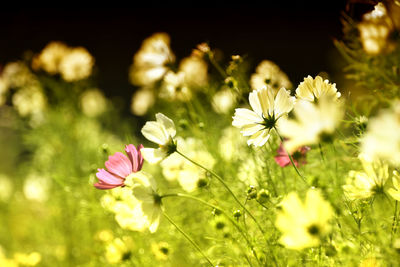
231,82
183,124
251,192
219,225
202,182
104,148
216,212
237,213
263,196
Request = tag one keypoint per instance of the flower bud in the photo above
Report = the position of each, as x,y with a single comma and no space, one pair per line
251,192
263,195
237,214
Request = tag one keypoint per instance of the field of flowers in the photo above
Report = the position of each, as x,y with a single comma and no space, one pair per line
220,164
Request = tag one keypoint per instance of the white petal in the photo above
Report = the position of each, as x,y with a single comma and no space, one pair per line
266,98
155,219
152,155
259,138
155,132
167,123
251,129
283,102
245,117
255,103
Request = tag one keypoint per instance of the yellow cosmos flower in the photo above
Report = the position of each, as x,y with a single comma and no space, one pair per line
304,224
149,63
395,192
175,88
161,250
119,250
269,74
375,30
382,138
313,123
189,176
142,100
31,259
76,65
93,102
50,57
366,183
313,89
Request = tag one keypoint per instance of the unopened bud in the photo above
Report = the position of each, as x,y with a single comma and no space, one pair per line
263,195
251,192
237,213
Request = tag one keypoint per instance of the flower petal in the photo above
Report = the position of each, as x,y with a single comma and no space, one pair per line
266,99
284,161
255,102
107,178
284,103
244,117
135,156
119,164
167,123
155,132
104,186
259,138
153,155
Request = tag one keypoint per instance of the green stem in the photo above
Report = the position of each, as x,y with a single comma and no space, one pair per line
238,227
321,152
217,66
394,219
291,160
188,238
219,178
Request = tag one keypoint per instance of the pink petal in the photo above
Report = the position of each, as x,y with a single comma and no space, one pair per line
304,149
119,164
107,178
104,186
283,161
135,156
281,151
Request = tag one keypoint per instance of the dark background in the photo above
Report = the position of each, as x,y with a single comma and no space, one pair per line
298,37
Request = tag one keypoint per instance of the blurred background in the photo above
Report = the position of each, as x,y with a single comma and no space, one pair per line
298,37
56,132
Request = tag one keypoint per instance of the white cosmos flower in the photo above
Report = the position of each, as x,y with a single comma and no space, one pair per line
267,110
314,122
382,138
162,131
366,183
149,63
312,89
144,189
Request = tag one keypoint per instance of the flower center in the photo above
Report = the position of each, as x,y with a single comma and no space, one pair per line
313,230
326,137
157,199
269,121
170,147
296,155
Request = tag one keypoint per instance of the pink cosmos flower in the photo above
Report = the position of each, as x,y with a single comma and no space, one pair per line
299,156
119,167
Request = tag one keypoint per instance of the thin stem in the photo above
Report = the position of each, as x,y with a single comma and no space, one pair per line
219,178
394,219
321,152
240,229
291,160
188,238
217,66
